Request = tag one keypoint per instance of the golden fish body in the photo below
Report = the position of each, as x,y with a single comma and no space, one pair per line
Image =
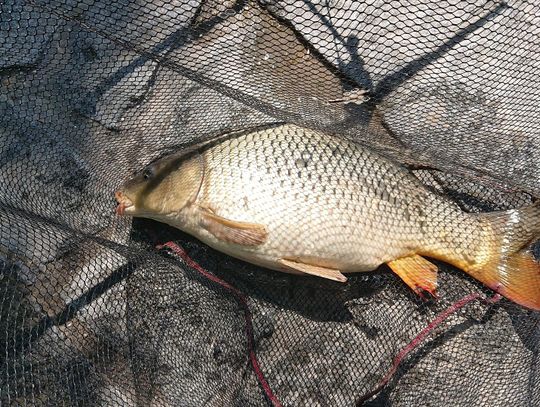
296,200
326,200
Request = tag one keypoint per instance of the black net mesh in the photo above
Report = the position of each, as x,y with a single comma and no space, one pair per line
92,313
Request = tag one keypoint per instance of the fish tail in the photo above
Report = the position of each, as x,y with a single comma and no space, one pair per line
511,268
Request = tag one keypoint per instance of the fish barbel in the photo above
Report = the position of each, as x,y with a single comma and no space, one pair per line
297,200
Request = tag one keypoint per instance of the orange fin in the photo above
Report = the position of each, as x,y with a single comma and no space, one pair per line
418,273
324,272
243,233
517,278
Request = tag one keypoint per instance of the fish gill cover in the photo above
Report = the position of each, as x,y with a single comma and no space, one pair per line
93,313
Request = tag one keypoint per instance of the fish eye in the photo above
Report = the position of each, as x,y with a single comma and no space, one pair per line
147,173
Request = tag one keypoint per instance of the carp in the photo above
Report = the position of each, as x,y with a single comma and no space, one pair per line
297,200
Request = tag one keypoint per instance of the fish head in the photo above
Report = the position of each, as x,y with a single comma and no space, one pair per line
162,189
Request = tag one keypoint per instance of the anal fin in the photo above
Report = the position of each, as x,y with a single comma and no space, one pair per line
242,233
418,273
324,272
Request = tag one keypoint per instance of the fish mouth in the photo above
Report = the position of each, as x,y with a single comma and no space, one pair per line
124,203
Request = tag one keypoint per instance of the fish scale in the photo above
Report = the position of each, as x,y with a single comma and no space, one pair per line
350,229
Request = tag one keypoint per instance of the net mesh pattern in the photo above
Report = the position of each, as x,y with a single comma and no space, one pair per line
91,313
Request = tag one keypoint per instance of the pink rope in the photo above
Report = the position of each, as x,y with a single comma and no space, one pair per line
180,252
421,336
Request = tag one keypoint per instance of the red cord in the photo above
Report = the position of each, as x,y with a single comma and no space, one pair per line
247,314
421,336
249,327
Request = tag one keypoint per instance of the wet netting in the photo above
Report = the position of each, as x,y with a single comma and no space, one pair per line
99,309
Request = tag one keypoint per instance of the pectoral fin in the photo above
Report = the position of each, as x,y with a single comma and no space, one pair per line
323,272
243,233
417,273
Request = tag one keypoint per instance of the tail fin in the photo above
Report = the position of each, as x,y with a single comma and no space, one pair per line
512,269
